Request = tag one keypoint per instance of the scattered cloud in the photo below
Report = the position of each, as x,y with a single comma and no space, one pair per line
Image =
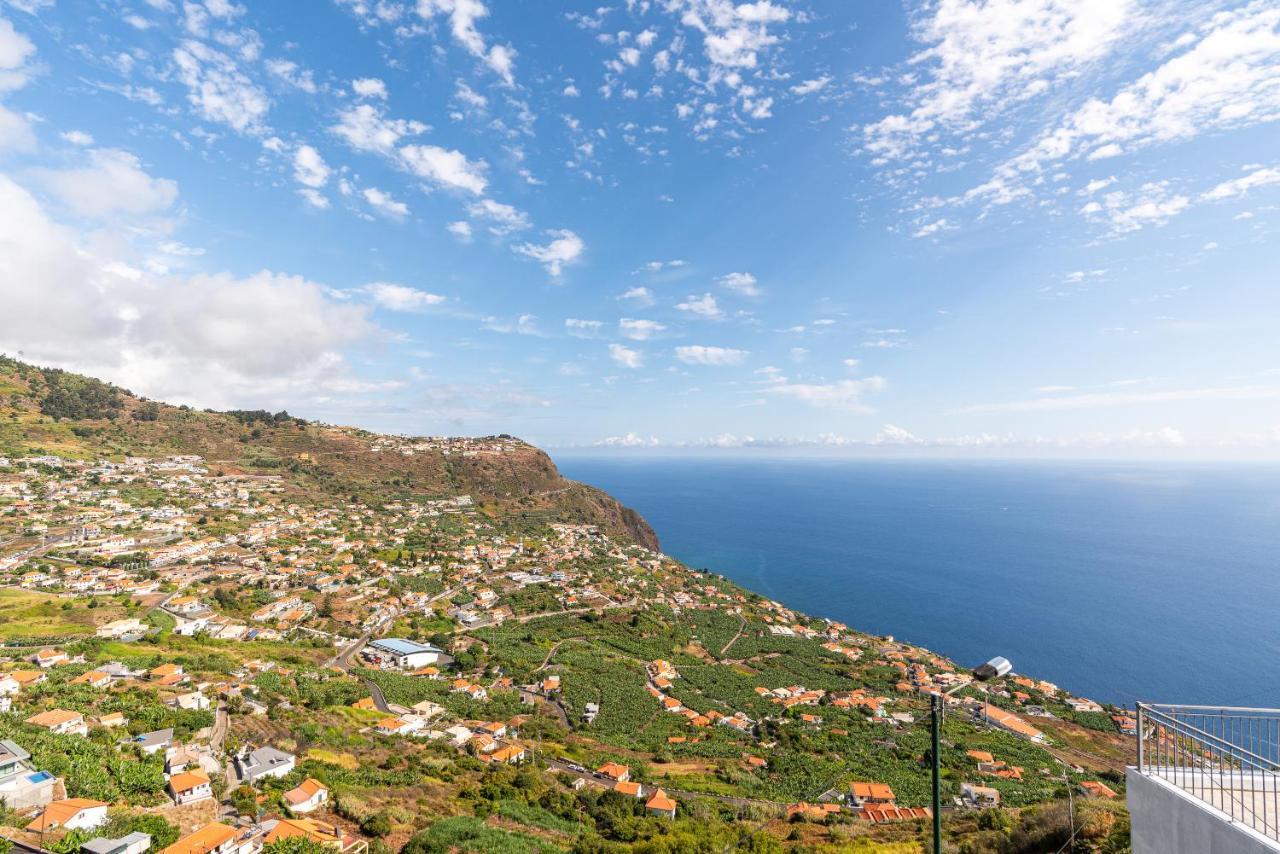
741,283
626,357
396,297
564,248
639,330
701,306
697,354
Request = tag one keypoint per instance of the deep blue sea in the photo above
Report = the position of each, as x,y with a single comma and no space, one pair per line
1119,582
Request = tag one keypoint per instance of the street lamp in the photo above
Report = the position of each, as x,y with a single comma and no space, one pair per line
993,669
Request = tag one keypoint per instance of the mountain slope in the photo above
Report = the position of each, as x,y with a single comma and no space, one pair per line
44,410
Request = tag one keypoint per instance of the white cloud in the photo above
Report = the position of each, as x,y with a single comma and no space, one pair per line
469,96
366,128
1099,400
741,283
293,74
315,198
1242,185
702,306
397,297
77,137
384,204
1228,78
640,296
984,55
639,330
844,395
626,357
460,229
208,339
808,87
1124,212
697,354
630,440
444,167
583,328
15,50
463,15
113,182
504,218
309,168
219,90
564,248
369,87
932,228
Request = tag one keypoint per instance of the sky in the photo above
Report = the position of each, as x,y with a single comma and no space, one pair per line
955,227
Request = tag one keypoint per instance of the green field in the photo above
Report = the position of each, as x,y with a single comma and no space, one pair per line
27,614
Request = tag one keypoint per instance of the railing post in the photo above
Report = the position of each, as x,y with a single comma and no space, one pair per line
1139,737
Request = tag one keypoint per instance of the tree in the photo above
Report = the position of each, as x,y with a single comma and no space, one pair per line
296,845
162,833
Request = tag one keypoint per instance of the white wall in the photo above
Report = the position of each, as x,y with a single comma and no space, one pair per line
1167,820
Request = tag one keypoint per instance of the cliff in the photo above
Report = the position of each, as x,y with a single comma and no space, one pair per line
50,411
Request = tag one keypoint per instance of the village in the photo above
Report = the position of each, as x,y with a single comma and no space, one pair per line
170,630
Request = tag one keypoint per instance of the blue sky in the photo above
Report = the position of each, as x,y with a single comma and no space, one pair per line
1012,227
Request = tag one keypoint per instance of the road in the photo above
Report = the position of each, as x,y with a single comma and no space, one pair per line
221,722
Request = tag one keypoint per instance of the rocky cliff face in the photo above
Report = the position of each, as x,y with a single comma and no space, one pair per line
55,412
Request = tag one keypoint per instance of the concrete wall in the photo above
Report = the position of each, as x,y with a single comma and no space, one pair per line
1167,820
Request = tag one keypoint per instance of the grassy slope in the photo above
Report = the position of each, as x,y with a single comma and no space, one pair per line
313,457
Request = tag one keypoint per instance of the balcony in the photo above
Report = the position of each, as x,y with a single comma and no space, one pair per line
1206,781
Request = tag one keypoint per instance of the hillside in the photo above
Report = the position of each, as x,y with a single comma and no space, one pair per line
44,410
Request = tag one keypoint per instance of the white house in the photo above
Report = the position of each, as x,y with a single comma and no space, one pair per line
70,814
253,765
189,786
404,654
307,797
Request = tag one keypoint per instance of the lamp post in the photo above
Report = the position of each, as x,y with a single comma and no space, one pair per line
994,668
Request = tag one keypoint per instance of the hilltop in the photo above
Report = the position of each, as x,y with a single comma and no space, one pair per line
50,411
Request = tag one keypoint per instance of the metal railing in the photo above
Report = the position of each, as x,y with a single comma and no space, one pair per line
1227,757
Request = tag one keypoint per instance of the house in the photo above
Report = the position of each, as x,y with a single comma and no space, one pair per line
46,658
215,838
309,795
60,721
27,677
120,628
628,788
21,785
165,672
328,835
614,771
150,742
70,814
863,794
979,796
188,786
133,843
404,654
93,678
252,765
508,754
191,701
1095,789
112,719
8,685
400,726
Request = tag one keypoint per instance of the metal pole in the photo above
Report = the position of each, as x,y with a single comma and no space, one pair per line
936,706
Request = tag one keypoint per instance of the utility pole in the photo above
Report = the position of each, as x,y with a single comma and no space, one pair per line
935,705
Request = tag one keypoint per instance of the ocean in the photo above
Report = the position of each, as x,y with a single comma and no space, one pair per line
1118,582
